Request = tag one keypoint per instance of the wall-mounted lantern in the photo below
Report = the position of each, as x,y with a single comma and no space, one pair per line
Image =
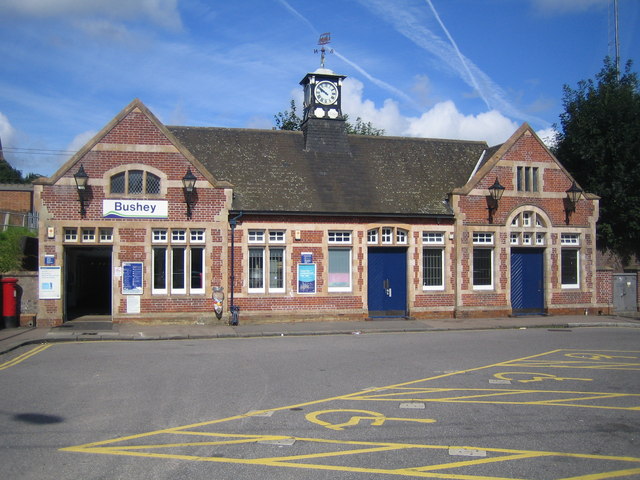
573,196
495,194
189,187
82,179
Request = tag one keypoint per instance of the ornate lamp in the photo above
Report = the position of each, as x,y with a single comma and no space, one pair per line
189,187
82,180
495,194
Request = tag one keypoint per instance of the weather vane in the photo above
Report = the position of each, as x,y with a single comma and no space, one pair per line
325,38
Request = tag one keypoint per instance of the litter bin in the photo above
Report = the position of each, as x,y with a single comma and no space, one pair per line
10,302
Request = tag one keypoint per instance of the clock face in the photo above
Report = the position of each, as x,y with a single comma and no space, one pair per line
326,92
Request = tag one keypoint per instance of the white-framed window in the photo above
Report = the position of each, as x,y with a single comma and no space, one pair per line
433,268
482,238
540,238
569,239
179,270
276,236
372,236
570,268
387,235
256,236
483,268
196,281
70,234
433,238
178,235
339,236
339,270
106,235
266,269
159,235
159,269
197,235
178,261
526,239
514,239
88,234
526,219
516,221
401,236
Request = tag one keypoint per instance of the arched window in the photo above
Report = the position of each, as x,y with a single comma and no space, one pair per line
135,182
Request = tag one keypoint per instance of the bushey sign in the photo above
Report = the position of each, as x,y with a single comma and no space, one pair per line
135,209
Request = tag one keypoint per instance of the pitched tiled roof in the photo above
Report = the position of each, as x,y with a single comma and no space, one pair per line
271,172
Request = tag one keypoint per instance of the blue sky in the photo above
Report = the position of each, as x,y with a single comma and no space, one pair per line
468,69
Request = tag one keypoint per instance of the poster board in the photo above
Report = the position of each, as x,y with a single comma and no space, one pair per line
132,278
307,278
49,283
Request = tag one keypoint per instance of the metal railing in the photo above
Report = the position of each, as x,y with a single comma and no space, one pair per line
16,219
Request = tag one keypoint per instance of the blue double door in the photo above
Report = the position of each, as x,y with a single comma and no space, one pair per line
387,282
527,281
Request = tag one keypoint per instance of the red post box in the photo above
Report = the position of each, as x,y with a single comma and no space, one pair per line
10,302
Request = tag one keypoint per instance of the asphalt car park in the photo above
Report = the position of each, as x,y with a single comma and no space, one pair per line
561,413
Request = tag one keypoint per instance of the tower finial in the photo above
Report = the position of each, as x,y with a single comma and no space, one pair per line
325,38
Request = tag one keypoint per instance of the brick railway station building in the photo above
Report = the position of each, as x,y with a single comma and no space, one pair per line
312,224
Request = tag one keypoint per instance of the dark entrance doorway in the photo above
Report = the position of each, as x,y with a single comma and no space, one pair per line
87,282
387,282
527,281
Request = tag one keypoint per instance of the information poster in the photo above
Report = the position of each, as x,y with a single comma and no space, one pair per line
132,278
306,278
49,282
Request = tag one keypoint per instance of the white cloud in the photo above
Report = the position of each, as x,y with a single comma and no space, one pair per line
443,120
161,12
548,136
412,23
7,132
80,141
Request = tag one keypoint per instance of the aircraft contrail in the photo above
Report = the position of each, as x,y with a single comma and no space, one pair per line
380,83
460,56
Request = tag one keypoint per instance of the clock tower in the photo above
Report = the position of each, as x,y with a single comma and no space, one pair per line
322,95
323,125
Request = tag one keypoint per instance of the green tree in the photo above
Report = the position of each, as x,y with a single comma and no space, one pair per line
8,174
12,248
289,120
599,143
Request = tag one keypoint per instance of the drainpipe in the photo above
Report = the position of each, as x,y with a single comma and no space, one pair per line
234,309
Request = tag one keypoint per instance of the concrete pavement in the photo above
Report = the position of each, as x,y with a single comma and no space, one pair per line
12,338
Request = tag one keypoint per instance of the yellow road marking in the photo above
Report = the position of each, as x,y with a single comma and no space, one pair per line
376,418
351,448
24,356
595,356
536,377
425,471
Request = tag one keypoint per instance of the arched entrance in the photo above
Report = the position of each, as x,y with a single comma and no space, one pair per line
528,238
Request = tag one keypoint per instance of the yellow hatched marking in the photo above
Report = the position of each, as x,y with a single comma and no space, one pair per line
482,461
419,396
427,471
24,356
108,447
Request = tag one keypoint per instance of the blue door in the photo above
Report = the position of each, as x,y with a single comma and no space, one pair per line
387,282
527,281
